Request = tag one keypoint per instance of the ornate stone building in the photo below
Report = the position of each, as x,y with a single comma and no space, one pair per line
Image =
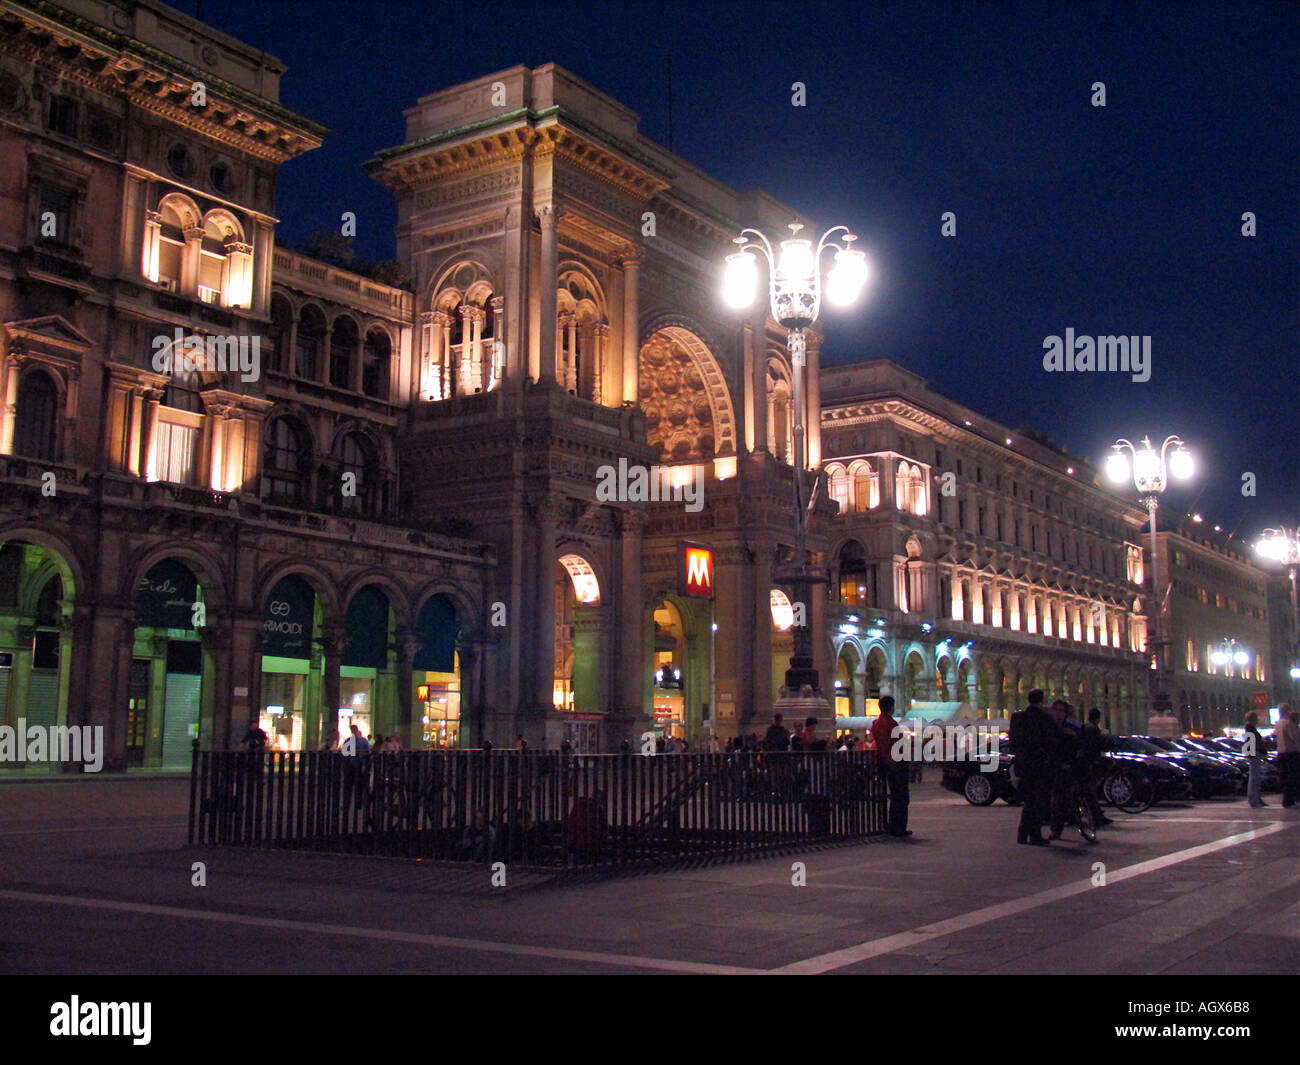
971,563
237,482
1230,627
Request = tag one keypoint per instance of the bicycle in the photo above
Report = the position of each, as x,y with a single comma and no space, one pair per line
1077,812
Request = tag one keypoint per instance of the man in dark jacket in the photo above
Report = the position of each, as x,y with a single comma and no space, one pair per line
777,738
1033,743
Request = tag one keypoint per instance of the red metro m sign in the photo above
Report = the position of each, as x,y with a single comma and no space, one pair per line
695,570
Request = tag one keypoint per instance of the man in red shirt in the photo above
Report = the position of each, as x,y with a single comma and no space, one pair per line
893,771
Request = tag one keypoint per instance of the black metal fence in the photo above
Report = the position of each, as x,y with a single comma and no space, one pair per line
541,808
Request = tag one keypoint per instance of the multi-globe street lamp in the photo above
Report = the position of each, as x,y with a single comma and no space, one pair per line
1283,545
795,288
1150,471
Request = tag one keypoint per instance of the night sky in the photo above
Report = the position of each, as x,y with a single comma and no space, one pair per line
1125,219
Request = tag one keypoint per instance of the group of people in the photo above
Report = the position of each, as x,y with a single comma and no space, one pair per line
1054,753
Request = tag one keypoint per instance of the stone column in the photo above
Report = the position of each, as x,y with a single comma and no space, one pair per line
150,245
152,397
548,282
191,256
9,414
238,682
331,640
407,644
442,360
261,267
497,365
631,327
600,345
565,352
237,275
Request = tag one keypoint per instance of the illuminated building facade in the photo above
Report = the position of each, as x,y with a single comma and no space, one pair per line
392,507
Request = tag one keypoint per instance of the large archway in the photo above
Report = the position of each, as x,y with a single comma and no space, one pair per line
165,692
688,409
36,596
436,673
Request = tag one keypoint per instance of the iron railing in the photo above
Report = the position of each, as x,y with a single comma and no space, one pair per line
537,808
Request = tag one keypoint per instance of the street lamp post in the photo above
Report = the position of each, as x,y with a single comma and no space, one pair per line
1150,472
795,288
1283,545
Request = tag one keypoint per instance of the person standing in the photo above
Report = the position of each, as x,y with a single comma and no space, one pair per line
1288,752
777,737
1033,744
893,771
1092,742
1254,750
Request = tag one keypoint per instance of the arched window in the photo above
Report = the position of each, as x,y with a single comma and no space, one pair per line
311,335
909,489
38,399
356,469
837,481
343,351
374,365
856,579
281,330
866,486
285,462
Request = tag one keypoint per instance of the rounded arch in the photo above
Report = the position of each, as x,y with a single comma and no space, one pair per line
579,290
582,575
684,394
222,224
206,566
461,601
179,210
467,276
321,583
60,553
398,600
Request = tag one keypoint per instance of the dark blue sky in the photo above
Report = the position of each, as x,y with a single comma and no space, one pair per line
1117,220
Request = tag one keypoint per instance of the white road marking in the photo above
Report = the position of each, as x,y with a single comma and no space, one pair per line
479,945
838,959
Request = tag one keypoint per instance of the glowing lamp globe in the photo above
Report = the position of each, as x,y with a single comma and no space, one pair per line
796,261
1180,464
740,280
847,277
1117,467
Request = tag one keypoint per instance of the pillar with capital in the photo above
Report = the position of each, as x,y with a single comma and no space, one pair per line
631,325
331,642
406,646
548,220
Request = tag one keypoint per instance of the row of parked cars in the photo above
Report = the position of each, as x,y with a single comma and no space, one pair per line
1187,768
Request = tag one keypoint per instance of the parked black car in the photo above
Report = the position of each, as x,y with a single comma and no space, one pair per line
981,788
1208,776
1171,780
